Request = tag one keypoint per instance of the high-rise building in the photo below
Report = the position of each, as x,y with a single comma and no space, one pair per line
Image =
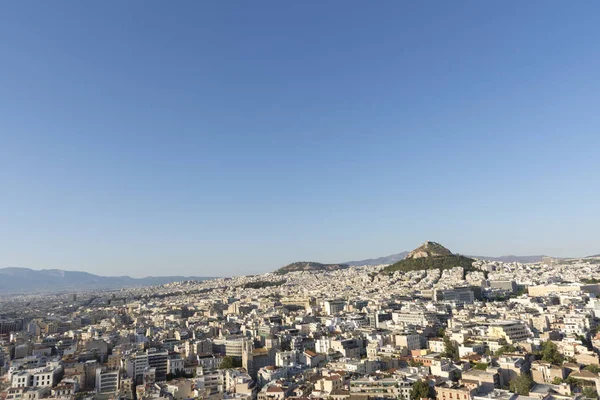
332,307
139,363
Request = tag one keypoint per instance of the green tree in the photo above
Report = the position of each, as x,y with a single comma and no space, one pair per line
551,354
481,366
421,389
450,349
592,368
507,348
590,393
572,381
521,385
437,262
557,380
230,362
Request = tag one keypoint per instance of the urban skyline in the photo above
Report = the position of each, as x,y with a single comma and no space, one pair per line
200,270
278,200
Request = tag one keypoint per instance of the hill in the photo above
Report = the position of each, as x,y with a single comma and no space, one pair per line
19,280
436,262
309,266
429,249
401,256
430,255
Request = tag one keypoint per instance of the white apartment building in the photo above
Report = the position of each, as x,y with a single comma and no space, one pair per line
415,318
511,331
323,345
43,378
408,340
38,377
107,381
286,358
436,345
333,307
21,379
175,364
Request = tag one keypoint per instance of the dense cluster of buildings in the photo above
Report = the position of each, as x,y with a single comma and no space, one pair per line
503,331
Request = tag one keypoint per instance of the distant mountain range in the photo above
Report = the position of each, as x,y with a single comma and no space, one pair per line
20,280
379,261
519,259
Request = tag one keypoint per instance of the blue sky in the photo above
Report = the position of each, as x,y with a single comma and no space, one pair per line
219,138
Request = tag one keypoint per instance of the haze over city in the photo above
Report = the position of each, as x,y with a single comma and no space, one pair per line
218,138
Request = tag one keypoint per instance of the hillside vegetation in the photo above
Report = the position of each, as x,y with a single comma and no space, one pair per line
309,266
262,284
436,262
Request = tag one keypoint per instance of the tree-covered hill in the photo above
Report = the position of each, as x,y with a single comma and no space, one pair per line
436,262
309,266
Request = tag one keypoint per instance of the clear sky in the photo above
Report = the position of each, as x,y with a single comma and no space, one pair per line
233,137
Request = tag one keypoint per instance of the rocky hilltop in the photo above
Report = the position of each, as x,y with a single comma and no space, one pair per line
430,255
429,249
309,266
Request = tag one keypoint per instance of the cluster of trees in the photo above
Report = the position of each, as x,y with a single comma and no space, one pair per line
589,392
592,368
588,389
414,363
591,280
549,353
230,362
262,284
481,366
521,385
439,262
507,348
421,390
309,266
178,374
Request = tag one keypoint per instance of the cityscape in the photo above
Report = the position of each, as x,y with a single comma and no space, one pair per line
481,330
299,200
